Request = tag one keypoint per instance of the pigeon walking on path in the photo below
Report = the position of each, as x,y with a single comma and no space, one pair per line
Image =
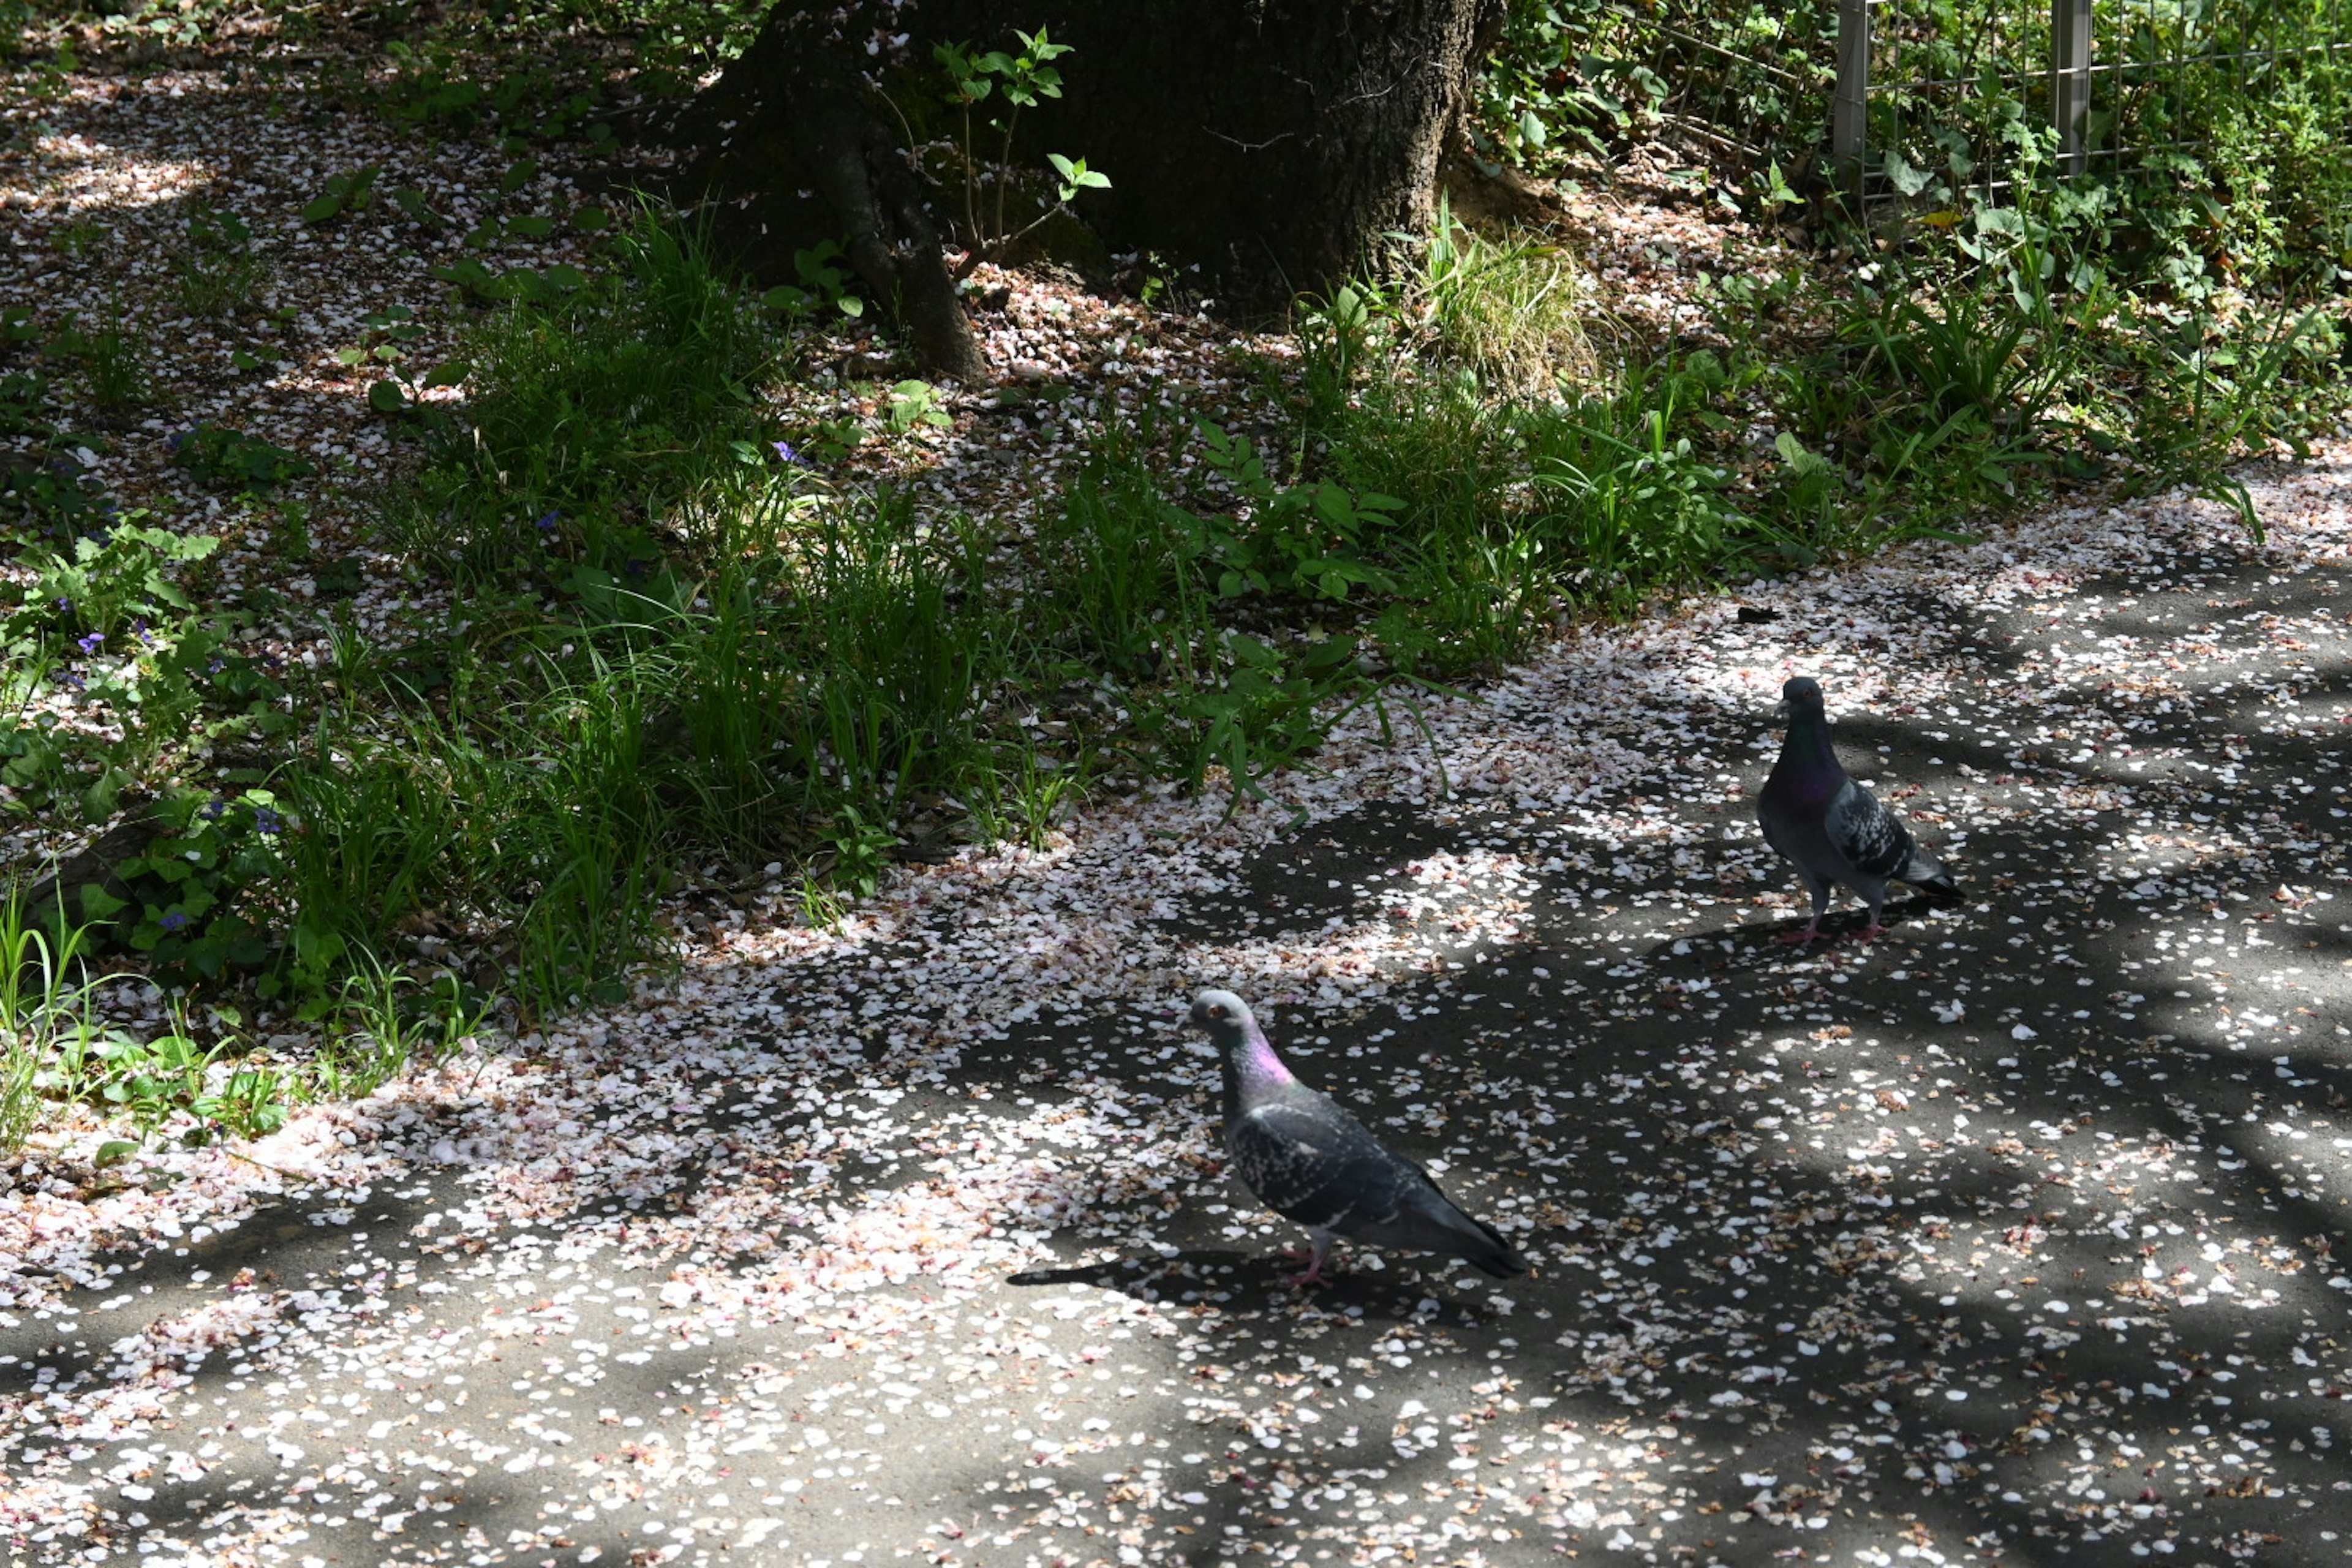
1309,1161
1829,827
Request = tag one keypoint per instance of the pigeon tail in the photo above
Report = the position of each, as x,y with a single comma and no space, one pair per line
1428,1221
1498,1258
1931,877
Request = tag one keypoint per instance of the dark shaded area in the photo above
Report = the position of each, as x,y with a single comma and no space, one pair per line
1273,146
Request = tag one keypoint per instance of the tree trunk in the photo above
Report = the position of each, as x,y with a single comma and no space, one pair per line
1276,144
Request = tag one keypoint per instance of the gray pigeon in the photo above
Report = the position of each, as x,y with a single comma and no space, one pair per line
1309,1161
1829,827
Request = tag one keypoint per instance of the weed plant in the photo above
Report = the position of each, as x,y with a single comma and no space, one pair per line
114,360
220,271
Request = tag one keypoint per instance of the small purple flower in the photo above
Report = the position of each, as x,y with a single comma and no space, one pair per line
267,821
217,666
635,567
66,605
91,643
173,922
178,438
214,809
789,454
547,524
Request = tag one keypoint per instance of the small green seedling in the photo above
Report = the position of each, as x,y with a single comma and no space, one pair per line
412,202
224,458
914,404
348,193
824,280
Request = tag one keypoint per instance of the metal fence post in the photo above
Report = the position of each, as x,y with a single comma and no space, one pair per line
1850,109
2069,81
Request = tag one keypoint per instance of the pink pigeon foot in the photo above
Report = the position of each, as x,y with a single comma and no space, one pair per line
1313,1271
1797,938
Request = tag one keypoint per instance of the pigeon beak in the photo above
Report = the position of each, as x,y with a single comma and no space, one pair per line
1781,709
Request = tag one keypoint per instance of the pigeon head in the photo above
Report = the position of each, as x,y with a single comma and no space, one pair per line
1245,1055
1801,697
1224,1015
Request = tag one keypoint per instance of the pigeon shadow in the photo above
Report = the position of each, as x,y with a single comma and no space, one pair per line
1227,1275
1751,940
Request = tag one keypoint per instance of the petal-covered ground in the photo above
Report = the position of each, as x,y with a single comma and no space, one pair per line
2010,1237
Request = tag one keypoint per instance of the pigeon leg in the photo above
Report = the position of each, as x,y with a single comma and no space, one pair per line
1321,1249
1872,931
1820,892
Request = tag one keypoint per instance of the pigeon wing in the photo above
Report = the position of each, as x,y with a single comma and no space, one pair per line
1871,838
1311,1161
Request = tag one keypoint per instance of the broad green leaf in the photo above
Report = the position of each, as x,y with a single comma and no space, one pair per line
98,904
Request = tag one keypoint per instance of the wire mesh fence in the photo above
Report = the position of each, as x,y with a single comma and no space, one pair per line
1936,96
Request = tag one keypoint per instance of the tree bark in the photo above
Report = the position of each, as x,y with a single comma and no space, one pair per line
1276,144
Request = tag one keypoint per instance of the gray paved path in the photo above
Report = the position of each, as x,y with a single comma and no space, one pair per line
2015,1237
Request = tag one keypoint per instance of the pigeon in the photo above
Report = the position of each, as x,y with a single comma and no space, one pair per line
1829,827
1309,1161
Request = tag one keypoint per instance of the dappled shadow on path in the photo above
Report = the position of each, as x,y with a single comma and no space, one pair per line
2016,1235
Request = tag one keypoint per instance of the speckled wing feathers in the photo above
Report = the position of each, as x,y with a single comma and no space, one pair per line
1310,1161
1866,834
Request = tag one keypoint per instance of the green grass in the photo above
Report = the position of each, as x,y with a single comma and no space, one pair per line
740,663
115,361
39,983
594,419
683,654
